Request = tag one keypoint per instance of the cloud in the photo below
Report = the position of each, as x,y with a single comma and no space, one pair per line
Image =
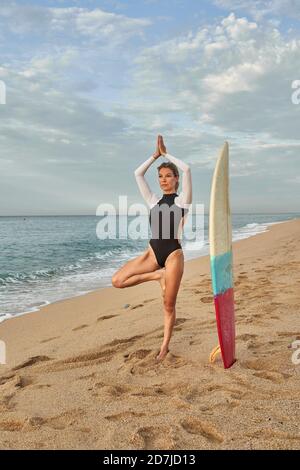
47,118
83,102
235,75
50,64
74,22
261,8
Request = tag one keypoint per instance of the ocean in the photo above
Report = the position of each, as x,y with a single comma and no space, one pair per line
44,259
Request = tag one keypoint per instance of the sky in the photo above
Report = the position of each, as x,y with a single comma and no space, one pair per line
90,84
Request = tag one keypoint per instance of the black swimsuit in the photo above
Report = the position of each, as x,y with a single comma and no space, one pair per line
164,223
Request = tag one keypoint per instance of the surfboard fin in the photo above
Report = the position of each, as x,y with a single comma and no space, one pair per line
214,353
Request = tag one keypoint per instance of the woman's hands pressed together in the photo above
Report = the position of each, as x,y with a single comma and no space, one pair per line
160,147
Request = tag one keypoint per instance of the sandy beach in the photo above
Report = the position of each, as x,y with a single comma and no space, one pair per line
81,373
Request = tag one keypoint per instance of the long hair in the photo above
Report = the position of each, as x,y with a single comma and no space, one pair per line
172,167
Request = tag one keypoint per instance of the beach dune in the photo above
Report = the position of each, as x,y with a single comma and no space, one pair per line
81,373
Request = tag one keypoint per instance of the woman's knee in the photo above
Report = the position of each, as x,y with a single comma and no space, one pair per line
169,305
117,281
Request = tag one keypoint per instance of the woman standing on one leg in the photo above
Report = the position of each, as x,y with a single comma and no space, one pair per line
163,260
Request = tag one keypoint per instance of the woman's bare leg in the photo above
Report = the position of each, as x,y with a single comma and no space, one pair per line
141,269
139,278
162,280
173,275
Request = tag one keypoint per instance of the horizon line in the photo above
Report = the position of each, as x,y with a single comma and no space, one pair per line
95,215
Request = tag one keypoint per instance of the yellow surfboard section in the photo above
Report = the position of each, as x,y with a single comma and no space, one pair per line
220,240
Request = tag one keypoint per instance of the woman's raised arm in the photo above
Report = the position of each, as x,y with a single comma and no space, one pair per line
144,188
185,196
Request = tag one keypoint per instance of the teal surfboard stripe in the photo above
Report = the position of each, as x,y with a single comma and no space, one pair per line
221,270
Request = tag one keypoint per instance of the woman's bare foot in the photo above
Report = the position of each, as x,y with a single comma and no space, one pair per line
162,354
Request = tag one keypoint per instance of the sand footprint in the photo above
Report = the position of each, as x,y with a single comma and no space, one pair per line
154,437
95,356
136,306
138,354
9,386
149,300
32,361
196,426
275,377
65,419
291,334
143,362
61,421
153,391
49,339
179,321
246,337
88,376
123,416
207,299
80,327
113,390
11,425
106,317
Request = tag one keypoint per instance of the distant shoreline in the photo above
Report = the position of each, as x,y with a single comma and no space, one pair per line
37,308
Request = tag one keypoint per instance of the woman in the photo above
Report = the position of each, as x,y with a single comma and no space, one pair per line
163,260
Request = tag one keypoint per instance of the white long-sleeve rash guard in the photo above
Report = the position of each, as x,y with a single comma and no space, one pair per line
184,199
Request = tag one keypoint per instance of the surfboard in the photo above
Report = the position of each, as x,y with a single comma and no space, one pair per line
221,261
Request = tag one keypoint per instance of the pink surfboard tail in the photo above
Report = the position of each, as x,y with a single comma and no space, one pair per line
224,306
